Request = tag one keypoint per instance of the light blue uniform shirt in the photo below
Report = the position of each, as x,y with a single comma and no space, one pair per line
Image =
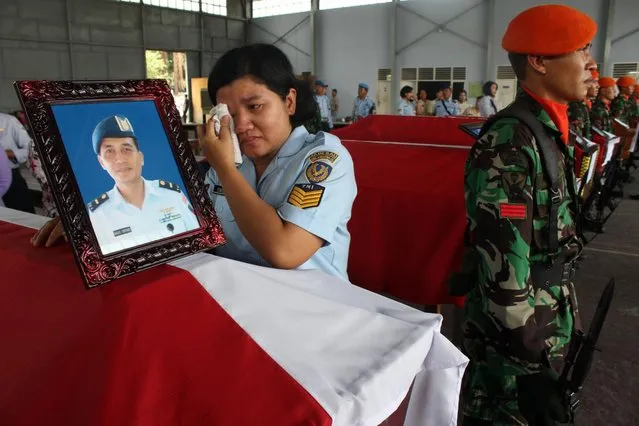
444,108
311,184
405,107
13,136
119,225
325,109
362,108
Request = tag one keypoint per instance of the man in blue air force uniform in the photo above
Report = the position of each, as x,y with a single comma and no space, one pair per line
136,211
364,106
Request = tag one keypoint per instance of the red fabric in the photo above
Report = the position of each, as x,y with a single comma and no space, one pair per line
152,349
423,130
512,211
408,220
557,112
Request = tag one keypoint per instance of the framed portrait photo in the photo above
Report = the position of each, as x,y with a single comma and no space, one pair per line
124,178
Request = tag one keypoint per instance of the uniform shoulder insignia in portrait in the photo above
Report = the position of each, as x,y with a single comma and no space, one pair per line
169,185
318,172
98,201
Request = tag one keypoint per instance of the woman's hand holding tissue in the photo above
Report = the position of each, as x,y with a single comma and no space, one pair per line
218,149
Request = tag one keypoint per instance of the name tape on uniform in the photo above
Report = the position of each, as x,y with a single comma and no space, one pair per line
323,155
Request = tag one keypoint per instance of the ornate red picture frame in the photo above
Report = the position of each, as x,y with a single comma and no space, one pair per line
124,178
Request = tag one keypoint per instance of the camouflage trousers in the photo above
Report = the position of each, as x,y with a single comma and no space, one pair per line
491,398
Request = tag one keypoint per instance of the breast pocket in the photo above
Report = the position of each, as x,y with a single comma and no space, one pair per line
222,209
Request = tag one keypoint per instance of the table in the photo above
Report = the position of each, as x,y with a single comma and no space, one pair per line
206,340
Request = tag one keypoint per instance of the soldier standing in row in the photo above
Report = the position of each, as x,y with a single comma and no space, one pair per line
600,113
579,112
520,310
621,107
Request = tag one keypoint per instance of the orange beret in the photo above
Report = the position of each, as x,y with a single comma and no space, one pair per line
549,30
595,74
606,82
626,81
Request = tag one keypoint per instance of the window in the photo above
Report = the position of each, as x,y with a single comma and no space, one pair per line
334,4
263,8
169,66
215,7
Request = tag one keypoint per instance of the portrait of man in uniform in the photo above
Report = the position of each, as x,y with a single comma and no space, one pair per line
135,210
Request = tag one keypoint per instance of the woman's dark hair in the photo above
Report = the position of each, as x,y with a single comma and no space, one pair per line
463,91
486,88
267,65
405,91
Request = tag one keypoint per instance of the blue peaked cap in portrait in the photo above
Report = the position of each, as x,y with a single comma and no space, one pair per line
114,126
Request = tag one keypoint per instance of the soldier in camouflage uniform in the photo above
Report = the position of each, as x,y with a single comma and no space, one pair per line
622,107
516,329
579,112
600,114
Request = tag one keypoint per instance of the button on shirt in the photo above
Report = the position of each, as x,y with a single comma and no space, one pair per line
13,136
119,225
325,109
405,108
445,108
311,184
362,108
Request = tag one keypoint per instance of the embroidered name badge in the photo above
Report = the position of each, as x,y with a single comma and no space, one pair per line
122,231
218,190
306,195
323,155
512,211
318,172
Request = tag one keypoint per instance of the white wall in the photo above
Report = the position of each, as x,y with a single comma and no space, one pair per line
348,54
444,49
352,43
626,19
296,44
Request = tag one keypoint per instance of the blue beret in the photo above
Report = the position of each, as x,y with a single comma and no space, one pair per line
363,86
320,83
114,126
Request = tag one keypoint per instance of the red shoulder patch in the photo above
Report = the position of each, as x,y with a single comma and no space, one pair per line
512,211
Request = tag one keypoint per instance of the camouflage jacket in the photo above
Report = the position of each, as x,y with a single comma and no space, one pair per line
579,117
512,325
600,116
625,109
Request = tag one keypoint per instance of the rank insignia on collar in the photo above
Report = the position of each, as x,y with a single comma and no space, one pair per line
318,172
306,196
169,185
98,201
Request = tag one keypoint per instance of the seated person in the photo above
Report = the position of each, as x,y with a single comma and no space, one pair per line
288,204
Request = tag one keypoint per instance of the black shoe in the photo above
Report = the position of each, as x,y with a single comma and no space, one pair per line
634,196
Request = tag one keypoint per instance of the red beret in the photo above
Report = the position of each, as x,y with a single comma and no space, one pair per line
626,81
606,82
549,30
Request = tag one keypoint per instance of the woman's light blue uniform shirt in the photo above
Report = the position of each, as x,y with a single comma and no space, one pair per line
311,183
405,107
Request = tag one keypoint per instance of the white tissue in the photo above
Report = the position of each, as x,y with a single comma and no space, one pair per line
219,111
